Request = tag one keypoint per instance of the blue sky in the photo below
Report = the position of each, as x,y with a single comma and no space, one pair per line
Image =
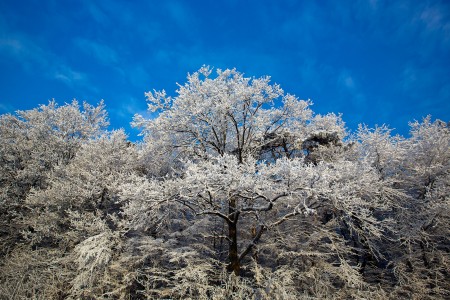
374,61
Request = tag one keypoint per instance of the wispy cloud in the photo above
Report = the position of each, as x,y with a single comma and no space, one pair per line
108,13
435,21
70,77
179,13
127,108
23,50
409,78
31,57
352,92
346,80
100,52
435,17
6,107
96,12
138,76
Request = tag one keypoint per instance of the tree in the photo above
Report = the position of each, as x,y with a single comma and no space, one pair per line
417,170
33,143
37,147
232,114
75,224
424,216
245,151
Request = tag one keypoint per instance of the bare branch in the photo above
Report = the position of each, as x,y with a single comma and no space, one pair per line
217,213
252,244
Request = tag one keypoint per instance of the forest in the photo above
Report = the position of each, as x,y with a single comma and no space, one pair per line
237,190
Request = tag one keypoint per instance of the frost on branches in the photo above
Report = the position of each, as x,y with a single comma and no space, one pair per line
237,191
231,114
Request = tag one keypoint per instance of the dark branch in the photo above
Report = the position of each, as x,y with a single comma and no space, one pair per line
217,213
255,240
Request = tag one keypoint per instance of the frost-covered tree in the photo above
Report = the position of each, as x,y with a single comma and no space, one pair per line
33,143
76,220
85,189
424,217
36,145
253,158
233,114
417,168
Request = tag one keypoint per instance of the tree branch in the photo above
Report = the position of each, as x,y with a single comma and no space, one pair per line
297,210
217,213
268,207
250,246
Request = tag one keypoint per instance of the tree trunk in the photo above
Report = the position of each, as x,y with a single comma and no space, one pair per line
233,255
